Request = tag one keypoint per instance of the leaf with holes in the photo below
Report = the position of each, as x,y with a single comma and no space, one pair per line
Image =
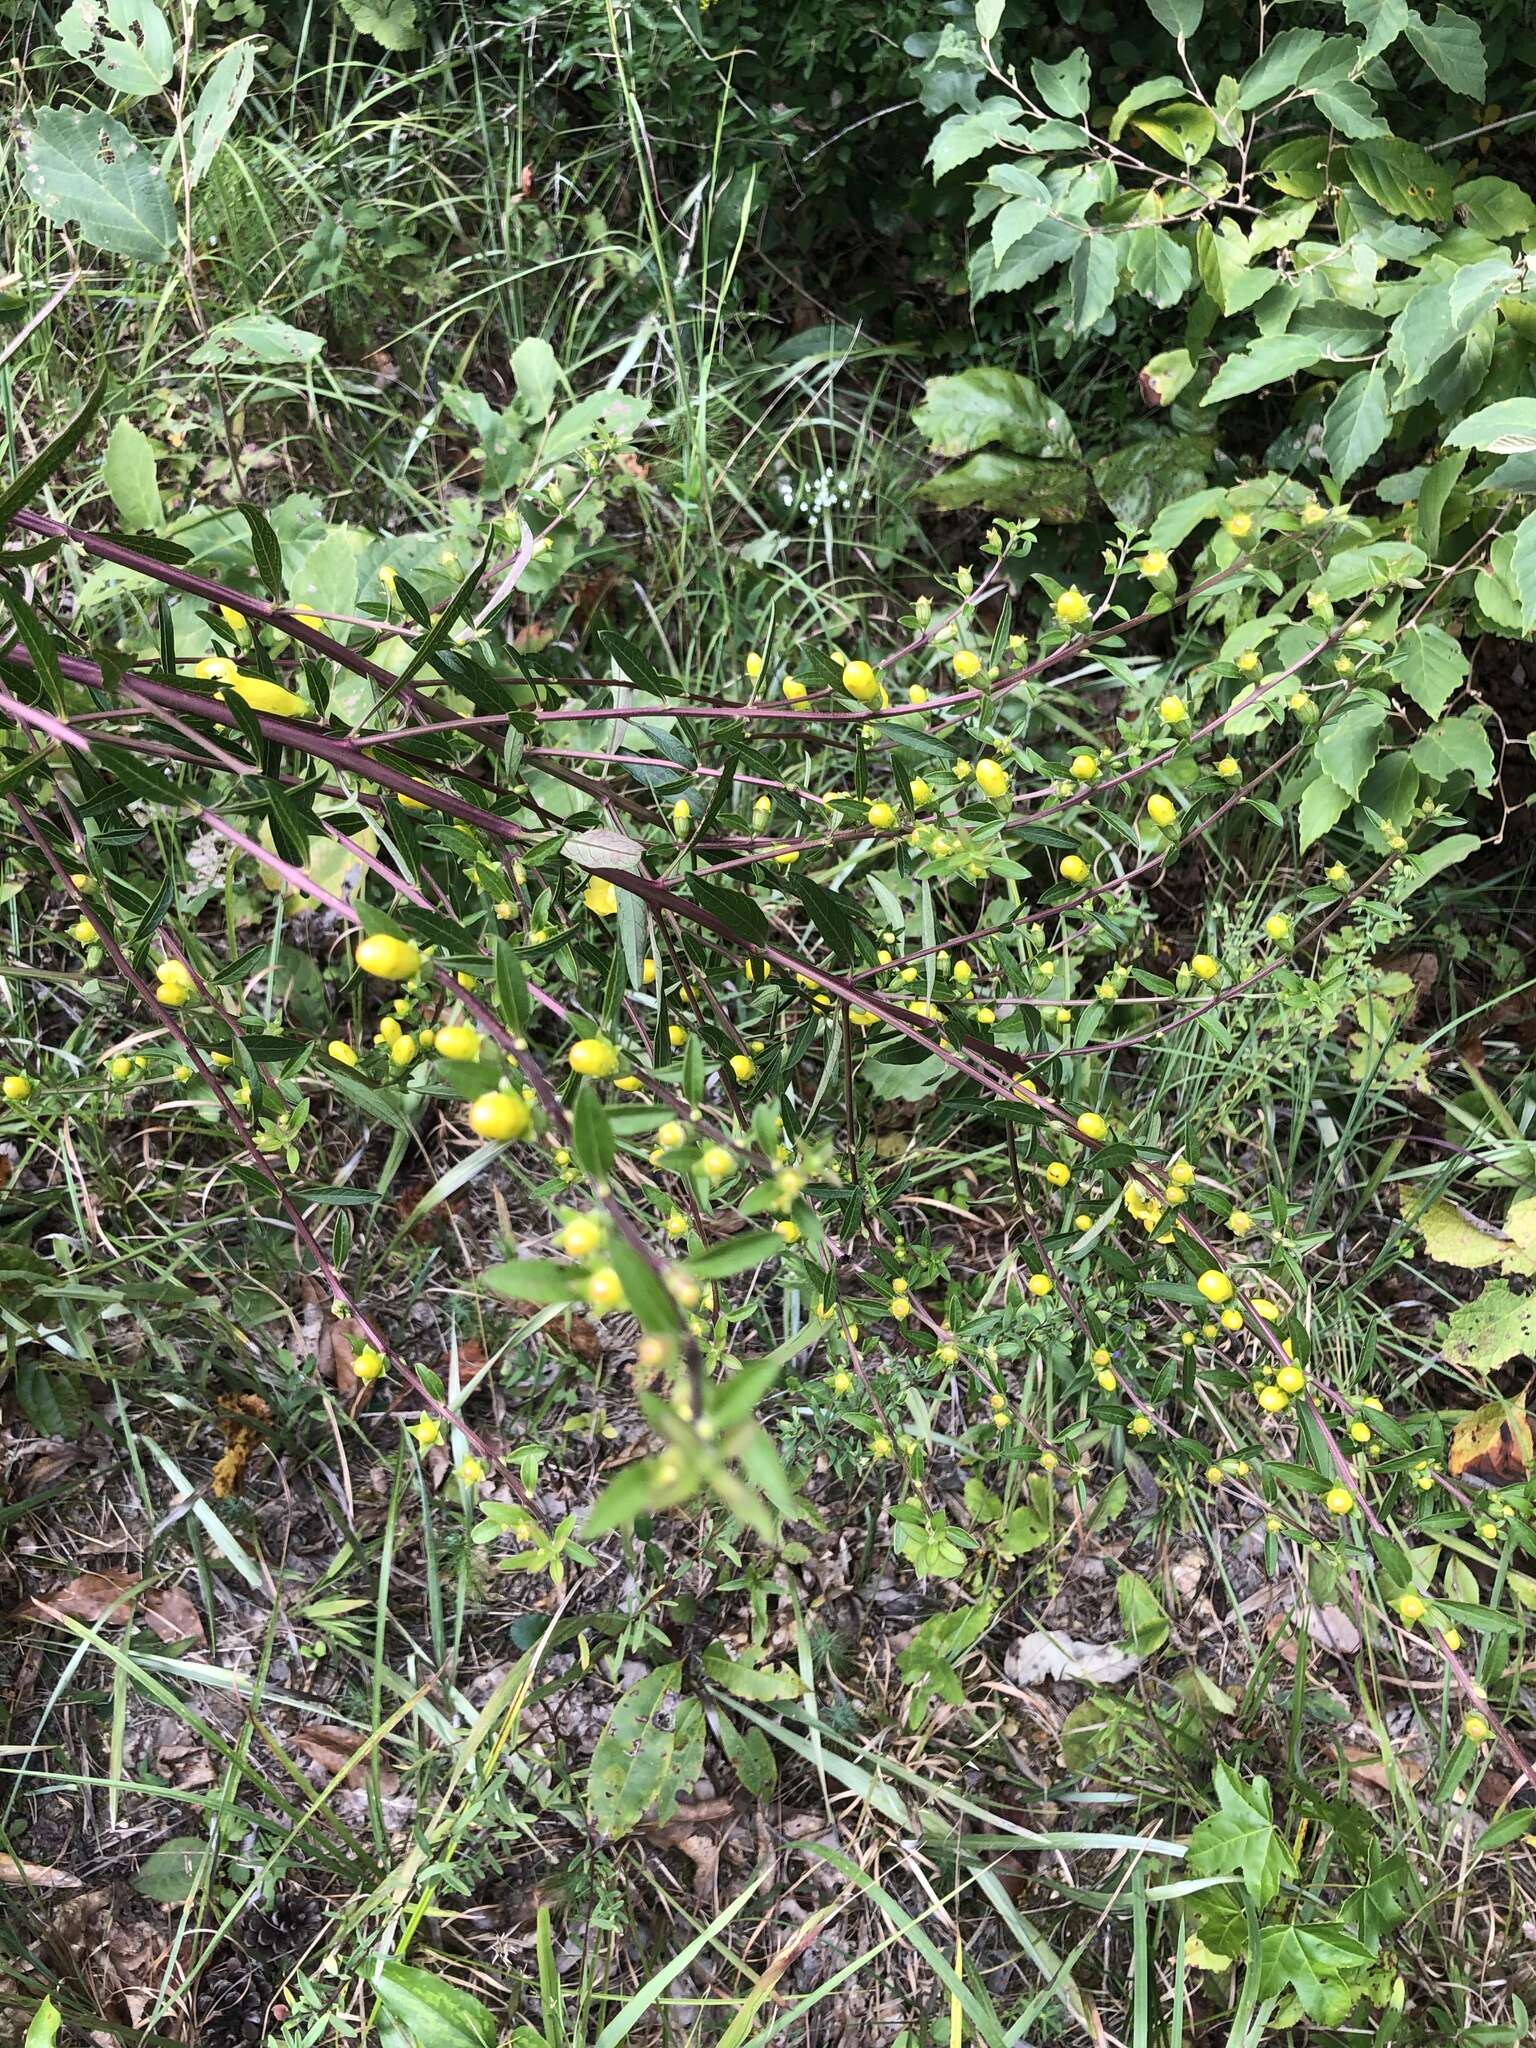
86,168
645,1755
125,44
218,103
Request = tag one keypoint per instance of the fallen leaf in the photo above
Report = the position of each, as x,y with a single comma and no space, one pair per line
1493,1443
1048,1654
106,1599
42,1875
1330,1628
1484,1334
335,1750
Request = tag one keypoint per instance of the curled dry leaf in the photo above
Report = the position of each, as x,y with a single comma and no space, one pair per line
1049,1654
107,1599
1493,1443
334,1750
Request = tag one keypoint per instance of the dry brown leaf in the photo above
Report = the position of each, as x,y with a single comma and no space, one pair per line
105,1599
1049,1654
41,1875
1494,1443
1330,1628
334,1750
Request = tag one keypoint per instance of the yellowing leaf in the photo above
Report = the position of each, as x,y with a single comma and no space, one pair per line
1493,1443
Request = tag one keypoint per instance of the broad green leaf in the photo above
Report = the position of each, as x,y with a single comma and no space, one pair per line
989,18
983,407
1180,17
1185,130
1159,266
125,44
390,23
1151,92
218,104
633,1761
1349,742
1377,566
257,338
540,1281
1428,666
1143,1623
1018,486
1093,274
1241,1838
748,1755
1508,428
431,2012
1280,67
1486,1333
1400,177
87,168
1015,218
735,1254
1263,362
536,374
1382,20
1137,481
43,2027
1496,207
1522,569
1419,868
966,136
1355,424
1164,376
173,1872
1452,47
326,579
1456,1238
1310,1958
747,1676
128,471
1323,803
1347,106
1063,86
1455,746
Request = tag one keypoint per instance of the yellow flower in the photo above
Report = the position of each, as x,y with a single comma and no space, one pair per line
992,779
1338,1500
1084,767
498,1117
605,1290
916,694
1092,1125
427,1432
743,1067
15,1087
1162,810
1239,525
1073,868
367,1363
387,958
264,696
1040,1285
1215,1286
469,1471
1247,664
403,1051
594,1057
601,897
966,663
1477,1728
754,667
1205,966
1239,1223
676,1225
1072,607
861,682
881,816
581,1236
791,691
1277,927
717,1161
457,1042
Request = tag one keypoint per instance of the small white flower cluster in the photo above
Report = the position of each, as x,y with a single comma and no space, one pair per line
824,493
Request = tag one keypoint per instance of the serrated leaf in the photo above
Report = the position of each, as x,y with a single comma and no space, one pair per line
1159,266
1452,47
1323,803
391,24
1264,362
1400,177
1355,424
1428,666
1455,746
1309,1958
1241,1838
85,167
964,137
128,471
125,44
1350,741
